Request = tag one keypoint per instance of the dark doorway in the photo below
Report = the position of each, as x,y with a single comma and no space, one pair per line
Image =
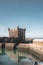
14,47
3,46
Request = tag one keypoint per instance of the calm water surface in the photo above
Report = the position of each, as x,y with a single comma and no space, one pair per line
15,55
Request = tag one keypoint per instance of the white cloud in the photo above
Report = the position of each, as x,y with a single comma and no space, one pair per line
3,31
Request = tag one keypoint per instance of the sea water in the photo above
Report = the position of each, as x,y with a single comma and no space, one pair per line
15,57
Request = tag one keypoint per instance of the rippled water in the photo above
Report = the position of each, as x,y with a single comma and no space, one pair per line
14,56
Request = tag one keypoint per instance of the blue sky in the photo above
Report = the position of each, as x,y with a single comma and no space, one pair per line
23,13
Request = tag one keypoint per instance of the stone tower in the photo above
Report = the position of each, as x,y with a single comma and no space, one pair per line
17,33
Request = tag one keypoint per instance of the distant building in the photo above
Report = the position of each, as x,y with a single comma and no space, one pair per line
17,33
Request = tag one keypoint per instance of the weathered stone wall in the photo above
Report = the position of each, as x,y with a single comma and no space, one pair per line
17,33
35,49
13,32
9,46
38,43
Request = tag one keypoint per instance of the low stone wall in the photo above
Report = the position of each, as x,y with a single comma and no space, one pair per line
38,43
22,45
35,49
9,46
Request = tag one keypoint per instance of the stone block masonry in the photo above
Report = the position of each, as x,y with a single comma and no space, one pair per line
17,33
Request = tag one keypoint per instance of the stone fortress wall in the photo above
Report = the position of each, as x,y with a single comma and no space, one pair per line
17,33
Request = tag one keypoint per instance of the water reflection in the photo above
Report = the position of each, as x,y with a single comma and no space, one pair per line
15,57
14,51
13,54
4,58
2,51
